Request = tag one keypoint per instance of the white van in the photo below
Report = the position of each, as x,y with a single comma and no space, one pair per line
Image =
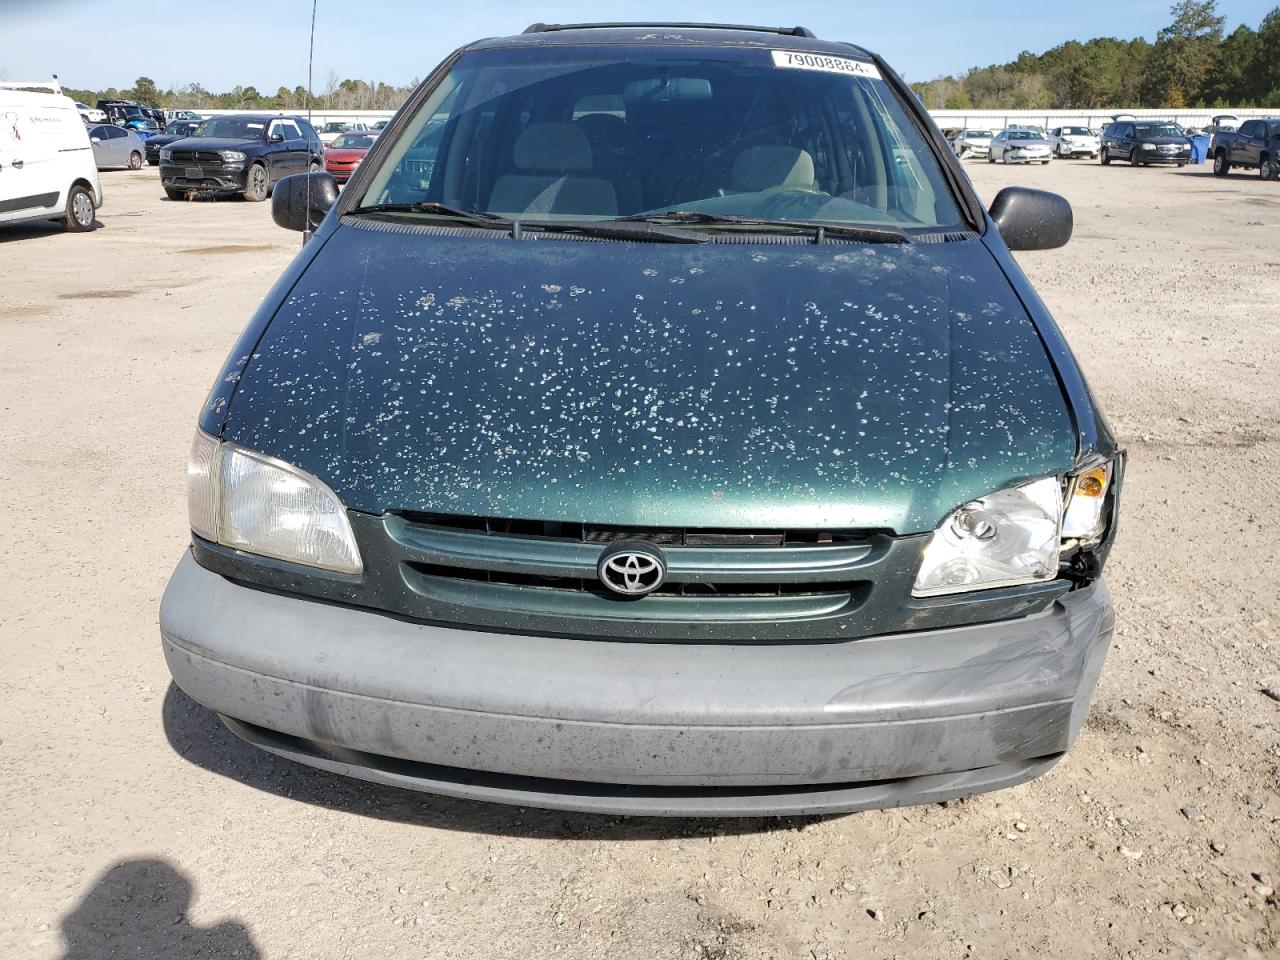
47,171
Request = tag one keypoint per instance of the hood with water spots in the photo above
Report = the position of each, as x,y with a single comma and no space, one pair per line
832,386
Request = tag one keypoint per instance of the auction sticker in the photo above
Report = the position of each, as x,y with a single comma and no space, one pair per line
818,61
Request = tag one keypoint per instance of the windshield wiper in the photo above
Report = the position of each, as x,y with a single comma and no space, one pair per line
845,231
641,230
477,218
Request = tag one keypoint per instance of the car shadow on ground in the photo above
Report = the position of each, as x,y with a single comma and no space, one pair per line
198,736
40,228
138,908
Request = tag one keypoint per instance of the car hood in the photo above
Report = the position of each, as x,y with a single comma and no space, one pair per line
1164,141
164,139
838,386
344,154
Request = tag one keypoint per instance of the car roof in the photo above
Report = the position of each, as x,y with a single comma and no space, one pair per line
672,34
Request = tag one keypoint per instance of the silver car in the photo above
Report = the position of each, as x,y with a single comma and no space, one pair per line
972,143
115,148
1019,146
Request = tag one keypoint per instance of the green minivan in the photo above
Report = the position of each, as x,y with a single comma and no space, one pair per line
657,423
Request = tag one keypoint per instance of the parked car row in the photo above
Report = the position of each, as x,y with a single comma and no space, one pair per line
1023,143
1251,144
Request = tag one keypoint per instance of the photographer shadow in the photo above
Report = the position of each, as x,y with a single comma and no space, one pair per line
139,908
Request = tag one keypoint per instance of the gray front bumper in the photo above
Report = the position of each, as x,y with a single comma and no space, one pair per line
634,727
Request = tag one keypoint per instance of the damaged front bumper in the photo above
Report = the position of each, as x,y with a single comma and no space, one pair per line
636,727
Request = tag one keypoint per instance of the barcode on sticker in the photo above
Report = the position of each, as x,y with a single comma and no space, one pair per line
818,61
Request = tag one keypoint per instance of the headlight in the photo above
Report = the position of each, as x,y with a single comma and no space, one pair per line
1001,540
254,503
1148,146
166,153
231,156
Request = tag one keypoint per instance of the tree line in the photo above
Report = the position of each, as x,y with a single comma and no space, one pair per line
337,95
1192,63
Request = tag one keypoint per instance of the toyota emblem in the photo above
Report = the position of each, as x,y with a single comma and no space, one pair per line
632,569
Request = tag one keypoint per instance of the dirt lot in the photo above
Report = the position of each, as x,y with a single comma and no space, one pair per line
133,825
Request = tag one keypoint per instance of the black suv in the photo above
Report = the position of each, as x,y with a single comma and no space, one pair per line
240,153
1145,141
175,130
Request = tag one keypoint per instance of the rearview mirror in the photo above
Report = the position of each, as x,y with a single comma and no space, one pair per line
301,201
1032,219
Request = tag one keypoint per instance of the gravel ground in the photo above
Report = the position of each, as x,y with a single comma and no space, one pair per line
133,825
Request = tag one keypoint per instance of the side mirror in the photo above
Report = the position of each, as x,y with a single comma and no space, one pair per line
276,138
301,201
1031,219
95,139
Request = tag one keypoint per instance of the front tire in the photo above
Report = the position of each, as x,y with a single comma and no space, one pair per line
1105,158
256,185
175,194
1220,165
1133,158
1264,167
315,167
135,161
79,215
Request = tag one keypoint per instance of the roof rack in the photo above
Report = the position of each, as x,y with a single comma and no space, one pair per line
784,31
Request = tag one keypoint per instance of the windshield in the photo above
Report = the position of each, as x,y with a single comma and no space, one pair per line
616,131
353,141
1158,130
230,128
1023,135
1075,131
979,134
336,127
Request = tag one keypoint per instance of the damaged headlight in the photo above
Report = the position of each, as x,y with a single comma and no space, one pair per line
1085,518
1007,538
260,505
1015,536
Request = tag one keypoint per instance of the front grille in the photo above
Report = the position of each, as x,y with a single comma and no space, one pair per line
505,568
195,156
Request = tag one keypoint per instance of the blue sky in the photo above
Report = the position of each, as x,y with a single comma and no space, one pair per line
219,43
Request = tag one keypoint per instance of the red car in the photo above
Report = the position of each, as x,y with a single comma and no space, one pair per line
345,153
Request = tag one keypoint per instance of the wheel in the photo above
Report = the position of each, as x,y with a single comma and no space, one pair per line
1264,167
1220,166
1274,162
1104,157
79,215
1133,158
1181,164
1044,163
135,161
175,194
991,158
256,186
315,167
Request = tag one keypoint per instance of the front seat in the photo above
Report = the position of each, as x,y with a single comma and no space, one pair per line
772,168
551,158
